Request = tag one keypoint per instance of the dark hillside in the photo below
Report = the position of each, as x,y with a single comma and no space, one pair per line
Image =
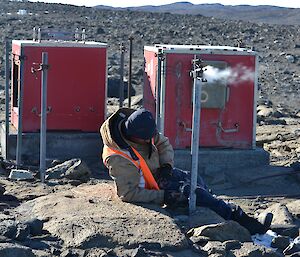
277,45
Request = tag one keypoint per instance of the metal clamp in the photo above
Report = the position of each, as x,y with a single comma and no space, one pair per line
160,55
197,72
233,130
182,124
41,67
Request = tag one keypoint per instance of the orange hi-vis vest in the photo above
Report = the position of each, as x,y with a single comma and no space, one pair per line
147,180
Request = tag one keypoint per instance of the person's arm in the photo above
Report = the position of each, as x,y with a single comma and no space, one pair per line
127,180
165,150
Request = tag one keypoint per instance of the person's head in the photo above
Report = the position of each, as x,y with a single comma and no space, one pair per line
139,127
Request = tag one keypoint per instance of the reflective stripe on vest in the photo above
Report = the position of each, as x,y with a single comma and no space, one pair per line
141,165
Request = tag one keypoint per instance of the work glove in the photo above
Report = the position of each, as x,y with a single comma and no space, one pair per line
165,179
165,171
173,198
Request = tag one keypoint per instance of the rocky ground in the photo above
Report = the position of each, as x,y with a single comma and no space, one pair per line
76,212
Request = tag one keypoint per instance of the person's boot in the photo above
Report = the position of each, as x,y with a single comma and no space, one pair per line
251,224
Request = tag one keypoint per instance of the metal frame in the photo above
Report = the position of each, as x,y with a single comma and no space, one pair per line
255,103
7,97
20,111
106,87
43,133
163,95
193,49
52,43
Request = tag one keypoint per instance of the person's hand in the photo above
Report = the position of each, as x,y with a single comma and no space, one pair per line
165,171
174,198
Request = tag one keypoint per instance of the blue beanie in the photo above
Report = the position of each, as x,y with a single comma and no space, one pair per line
140,124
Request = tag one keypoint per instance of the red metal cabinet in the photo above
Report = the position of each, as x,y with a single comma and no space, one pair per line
76,91
228,112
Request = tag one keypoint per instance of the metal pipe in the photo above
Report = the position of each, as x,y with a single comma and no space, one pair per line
43,133
20,109
121,92
158,91
6,98
130,72
162,95
197,86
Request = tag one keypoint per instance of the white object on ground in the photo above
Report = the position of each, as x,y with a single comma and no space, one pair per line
16,174
265,239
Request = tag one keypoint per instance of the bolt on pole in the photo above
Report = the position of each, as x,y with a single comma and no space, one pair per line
121,92
43,134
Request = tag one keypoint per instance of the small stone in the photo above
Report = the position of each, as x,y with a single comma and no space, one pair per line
3,206
35,226
2,190
289,230
15,250
22,232
232,244
280,242
215,247
290,58
16,174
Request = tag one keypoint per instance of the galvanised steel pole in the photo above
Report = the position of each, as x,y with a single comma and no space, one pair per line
195,132
20,108
43,133
6,98
130,72
158,91
121,91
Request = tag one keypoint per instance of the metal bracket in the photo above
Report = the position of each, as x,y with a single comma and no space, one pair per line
182,124
41,67
34,110
197,73
233,130
161,56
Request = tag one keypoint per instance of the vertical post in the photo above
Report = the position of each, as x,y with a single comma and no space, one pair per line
158,89
6,97
195,130
44,68
121,92
20,109
130,72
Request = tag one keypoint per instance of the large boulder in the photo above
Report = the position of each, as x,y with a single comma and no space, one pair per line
229,230
294,208
250,249
204,216
281,214
10,250
74,169
91,216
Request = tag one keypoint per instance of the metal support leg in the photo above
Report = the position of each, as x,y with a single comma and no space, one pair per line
197,75
130,72
20,112
121,92
160,56
43,135
6,98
